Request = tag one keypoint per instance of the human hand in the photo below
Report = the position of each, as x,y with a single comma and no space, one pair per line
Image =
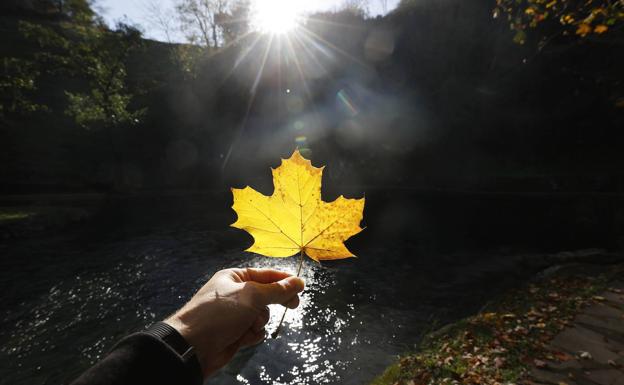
230,312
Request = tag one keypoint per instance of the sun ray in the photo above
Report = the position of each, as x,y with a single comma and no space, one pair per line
313,44
308,92
310,55
347,55
246,51
299,68
252,97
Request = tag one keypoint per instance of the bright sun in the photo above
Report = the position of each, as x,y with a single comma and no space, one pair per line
276,16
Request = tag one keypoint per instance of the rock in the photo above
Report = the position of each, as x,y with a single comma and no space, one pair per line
605,377
605,311
579,339
614,297
548,377
572,365
613,325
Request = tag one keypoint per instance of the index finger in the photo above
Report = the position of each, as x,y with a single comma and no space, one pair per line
263,275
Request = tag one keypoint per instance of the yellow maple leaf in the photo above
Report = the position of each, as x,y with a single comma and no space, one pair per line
295,219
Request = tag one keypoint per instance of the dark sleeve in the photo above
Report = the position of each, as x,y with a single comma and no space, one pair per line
141,359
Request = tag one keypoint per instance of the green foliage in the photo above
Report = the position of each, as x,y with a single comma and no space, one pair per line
100,56
566,17
89,110
84,48
390,376
79,11
12,215
187,58
17,87
42,35
92,61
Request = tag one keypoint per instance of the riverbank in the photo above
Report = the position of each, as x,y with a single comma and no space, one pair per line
521,338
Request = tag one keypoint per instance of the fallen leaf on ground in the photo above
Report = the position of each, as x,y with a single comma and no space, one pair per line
561,356
600,29
585,355
489,316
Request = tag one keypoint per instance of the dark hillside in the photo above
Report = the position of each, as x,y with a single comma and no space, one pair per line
435,95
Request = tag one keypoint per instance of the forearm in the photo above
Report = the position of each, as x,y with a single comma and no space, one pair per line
142,359
229,312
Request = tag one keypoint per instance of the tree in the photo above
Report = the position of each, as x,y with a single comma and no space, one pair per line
84,48
19,75
561,17
235,23
213,23
78,10
199,20
18,87
159,18
100,56
357,7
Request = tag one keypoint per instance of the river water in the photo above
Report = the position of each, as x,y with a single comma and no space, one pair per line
69,295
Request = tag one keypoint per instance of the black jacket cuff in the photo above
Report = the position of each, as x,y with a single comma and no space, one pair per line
142,359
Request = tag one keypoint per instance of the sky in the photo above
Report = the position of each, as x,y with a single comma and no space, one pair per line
136,12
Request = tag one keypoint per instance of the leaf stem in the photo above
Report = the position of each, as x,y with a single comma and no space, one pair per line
275,334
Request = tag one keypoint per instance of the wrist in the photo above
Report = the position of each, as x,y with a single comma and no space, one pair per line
172,338
180,327
186,332
176,341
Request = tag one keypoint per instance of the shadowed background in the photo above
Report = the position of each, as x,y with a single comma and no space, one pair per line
481,159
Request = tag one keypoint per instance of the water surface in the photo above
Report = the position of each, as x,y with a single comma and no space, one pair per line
68,296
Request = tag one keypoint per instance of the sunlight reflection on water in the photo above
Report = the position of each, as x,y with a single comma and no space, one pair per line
310,333
355,316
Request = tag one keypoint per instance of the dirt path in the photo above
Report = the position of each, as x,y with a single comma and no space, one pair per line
591,349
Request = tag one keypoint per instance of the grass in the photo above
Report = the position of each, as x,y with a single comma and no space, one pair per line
499,345
11,216
16,222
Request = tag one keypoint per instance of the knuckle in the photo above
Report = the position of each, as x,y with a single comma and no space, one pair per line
248,272
223,272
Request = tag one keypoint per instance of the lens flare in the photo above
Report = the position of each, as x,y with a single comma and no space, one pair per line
346,102
301,140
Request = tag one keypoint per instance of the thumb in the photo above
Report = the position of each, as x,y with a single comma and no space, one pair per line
280,291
